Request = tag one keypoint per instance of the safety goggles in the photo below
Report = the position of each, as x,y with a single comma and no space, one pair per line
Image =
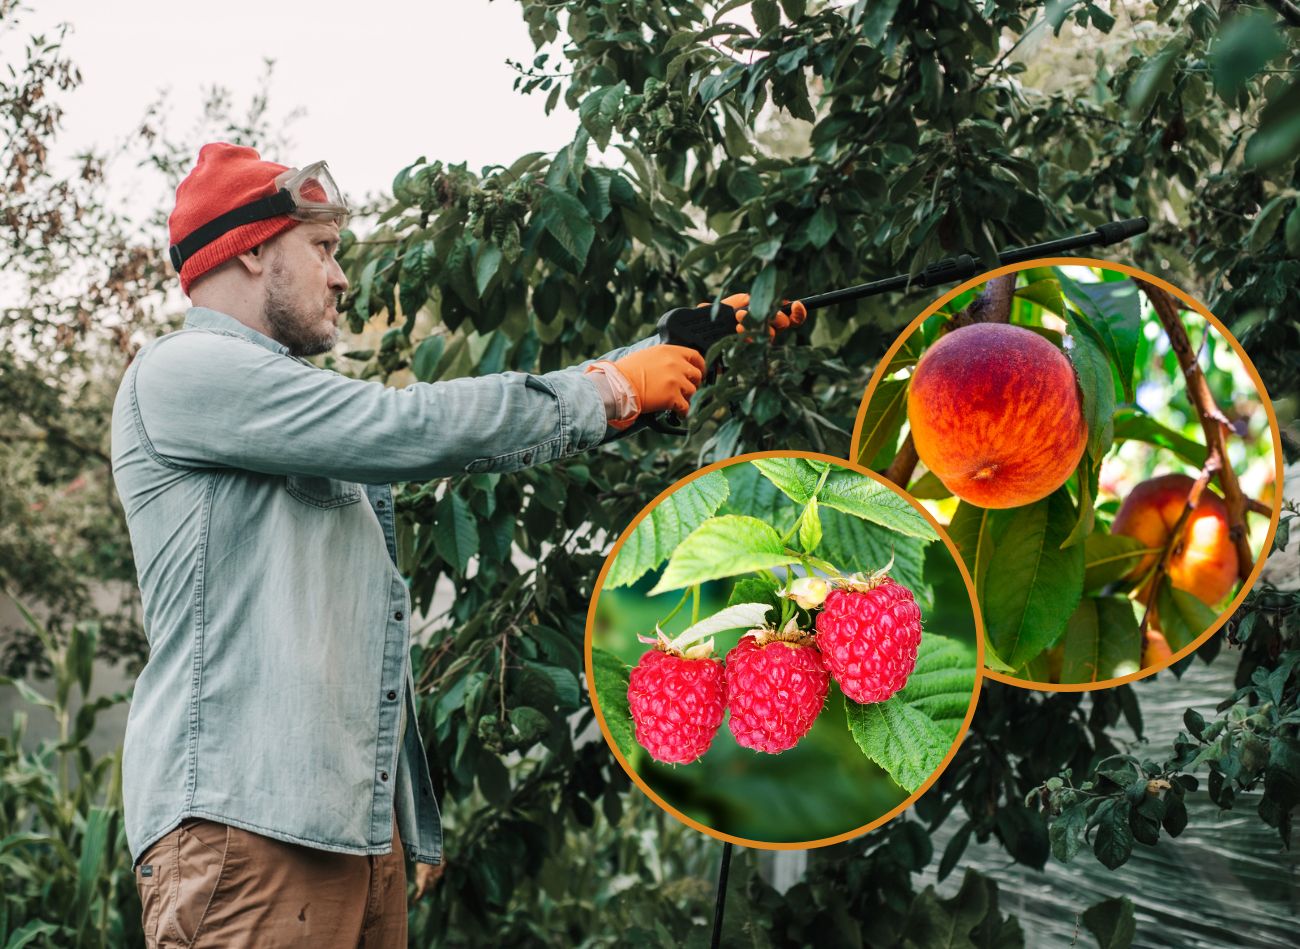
306,194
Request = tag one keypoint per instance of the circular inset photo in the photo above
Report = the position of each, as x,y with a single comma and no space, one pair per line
1101,451
783,650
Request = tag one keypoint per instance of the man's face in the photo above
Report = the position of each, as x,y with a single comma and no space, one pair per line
303,283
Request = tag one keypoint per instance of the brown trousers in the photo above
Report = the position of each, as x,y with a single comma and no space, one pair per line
206,884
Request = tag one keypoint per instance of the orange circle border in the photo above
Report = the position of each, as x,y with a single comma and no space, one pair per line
980,669
1192,304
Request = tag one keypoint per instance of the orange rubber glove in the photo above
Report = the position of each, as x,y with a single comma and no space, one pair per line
663,377
783,320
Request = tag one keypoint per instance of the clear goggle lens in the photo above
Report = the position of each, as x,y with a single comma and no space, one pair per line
315,195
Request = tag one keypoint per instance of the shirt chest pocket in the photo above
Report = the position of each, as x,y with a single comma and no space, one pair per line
322,492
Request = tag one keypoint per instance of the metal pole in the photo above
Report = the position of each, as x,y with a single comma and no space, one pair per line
720,904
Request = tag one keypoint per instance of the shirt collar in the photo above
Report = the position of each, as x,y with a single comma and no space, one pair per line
204,318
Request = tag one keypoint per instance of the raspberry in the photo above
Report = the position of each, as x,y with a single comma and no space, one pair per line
676,704
868,634
775,690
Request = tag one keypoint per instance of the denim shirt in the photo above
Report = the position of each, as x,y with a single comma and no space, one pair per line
257,495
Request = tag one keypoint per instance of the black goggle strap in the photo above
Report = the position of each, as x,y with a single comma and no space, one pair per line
271,206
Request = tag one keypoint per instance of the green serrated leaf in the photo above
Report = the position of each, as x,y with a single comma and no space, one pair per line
859,546
796,478
611,692
723,547
659,534
910,733
1101,641
863,497
1032,585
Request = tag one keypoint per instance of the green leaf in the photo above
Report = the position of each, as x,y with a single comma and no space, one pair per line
94,845
1153,78
821,227
883,419
1244,46
1180,615
723,547
1087,519
1114,840
32,929
1113,310
766,16
424,362
1108,557
1032,585
1046,292
1292,232
796,478
971,530
611,691
598,111
567,221
863,497
1133,424
659,533
910,733
859,546
1277,141
455,531
1111,922
1266,222
759,589
928,487
485,268
1093,368
1101,641
810,527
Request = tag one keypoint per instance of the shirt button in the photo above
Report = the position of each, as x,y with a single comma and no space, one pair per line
397,615
528,457
379,504
391,696
383,775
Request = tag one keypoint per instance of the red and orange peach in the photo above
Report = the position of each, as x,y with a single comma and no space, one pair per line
1205,561
995,413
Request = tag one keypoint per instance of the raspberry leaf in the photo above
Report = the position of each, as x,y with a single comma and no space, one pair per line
870,500
611,675
723,547
796,477
658,535
909,734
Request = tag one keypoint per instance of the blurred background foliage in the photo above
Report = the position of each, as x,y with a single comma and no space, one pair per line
781,147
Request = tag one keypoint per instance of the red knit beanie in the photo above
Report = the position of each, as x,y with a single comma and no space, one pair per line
226,177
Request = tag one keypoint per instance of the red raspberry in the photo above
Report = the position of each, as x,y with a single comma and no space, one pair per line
775,691
676,703
868,636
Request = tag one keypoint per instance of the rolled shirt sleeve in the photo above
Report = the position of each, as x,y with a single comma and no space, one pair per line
203,399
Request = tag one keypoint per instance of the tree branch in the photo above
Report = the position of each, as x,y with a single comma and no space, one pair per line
1286,10
1213,422
1212,464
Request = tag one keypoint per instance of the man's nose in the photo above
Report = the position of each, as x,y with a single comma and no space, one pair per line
338,281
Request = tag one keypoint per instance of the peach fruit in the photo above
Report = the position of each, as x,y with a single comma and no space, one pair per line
1156,651
1205,561
995,413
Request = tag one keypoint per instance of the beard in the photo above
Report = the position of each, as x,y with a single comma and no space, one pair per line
301,328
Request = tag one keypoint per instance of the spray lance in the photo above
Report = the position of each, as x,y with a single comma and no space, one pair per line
699,329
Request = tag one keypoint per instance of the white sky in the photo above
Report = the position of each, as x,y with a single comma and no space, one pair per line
381,82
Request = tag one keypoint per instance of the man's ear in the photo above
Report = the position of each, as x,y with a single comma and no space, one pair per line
253,260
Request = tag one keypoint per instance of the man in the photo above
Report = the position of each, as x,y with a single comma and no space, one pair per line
273,775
